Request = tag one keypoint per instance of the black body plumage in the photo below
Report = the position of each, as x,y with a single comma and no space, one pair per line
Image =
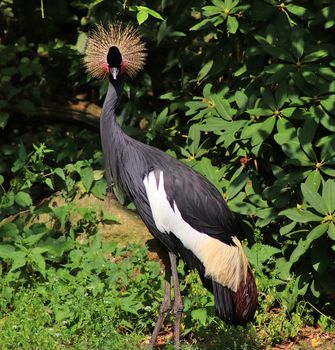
129,161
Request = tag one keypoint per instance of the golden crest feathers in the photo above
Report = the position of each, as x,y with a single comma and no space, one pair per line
126,38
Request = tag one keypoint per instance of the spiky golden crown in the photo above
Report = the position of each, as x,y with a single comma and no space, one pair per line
126,38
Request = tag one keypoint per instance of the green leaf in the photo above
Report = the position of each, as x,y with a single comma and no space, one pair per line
317,232
142,16
60,173
296,10
287,112
211,11
232,24
236,185
223,107
143,13
168,96
205,70
260,112
6,251
56,247
306,136
193,139
202,24
241,100
299,250
49,183
313,180
327,120
283,266
327,145
61,213
331,231
212,173
315,56
99,189
263,252
240,206
268,99
328,195
154,13
214,124
284,230
328,104
266,127
281,95
258,132
87,177
38,261
19,260
299,215
98,174
32,239
297,42
23,199
229,135
278,72
199,315
314,199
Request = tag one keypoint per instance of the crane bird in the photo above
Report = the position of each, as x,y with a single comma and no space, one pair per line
180,207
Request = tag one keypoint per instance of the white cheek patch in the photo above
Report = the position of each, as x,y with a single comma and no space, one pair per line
225,264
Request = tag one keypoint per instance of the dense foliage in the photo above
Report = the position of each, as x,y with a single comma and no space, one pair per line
243,91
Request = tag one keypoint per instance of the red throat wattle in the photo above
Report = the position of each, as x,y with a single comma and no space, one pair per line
123,68
106,68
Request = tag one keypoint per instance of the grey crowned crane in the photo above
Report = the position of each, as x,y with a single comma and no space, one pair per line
181,208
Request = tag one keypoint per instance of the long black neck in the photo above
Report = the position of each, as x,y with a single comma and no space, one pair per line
115,88
113,139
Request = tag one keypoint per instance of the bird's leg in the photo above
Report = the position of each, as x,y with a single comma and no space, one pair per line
166,305
178,302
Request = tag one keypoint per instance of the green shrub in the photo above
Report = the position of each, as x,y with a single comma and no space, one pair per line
254,86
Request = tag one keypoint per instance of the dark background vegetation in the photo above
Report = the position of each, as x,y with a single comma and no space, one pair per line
243,91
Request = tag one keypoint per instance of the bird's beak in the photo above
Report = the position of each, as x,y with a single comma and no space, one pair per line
114,71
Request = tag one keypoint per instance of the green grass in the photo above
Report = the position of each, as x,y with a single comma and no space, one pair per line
31,327
91,302
48,317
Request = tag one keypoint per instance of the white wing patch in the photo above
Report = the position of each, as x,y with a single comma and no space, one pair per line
160,206
225,264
